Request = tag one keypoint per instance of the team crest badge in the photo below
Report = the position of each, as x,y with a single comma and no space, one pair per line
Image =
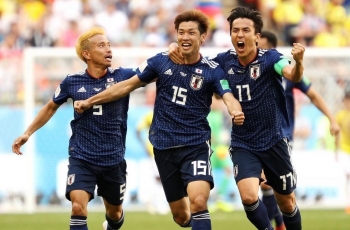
196,82
70,179
254,71
235,171
110,82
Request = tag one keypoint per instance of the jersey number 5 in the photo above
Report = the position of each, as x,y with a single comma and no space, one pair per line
98,108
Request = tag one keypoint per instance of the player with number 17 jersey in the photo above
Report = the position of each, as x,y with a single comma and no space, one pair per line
99,134
184,96
258,87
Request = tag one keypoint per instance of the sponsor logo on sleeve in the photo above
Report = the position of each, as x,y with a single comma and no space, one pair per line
224,84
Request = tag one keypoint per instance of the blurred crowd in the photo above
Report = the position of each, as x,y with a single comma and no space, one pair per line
57,23
145,23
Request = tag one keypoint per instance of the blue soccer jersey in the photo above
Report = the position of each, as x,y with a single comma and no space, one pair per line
303,86
259,89
98,134
184,96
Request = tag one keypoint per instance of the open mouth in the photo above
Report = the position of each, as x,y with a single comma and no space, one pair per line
240,45
108,57
186,45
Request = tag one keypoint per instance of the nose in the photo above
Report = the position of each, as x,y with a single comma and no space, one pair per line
186,36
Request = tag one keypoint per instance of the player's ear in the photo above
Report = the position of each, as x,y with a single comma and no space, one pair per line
86,54
202,38
257,38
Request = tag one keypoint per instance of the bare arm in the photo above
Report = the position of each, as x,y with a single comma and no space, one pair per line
234,108
39,121
113,93
319,102
295,72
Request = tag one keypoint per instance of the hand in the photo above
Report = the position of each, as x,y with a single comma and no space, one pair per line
21,140
81,106
334,128
298,52
238,118
174,54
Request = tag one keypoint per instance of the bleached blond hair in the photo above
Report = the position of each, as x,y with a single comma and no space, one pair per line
83,42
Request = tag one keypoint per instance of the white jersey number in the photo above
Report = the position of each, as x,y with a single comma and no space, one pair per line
241,90
199,168
289,177
179,97
98,108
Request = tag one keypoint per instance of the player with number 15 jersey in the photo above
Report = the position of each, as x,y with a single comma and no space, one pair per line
184,96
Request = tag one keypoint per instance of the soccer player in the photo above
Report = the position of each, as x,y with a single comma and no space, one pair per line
180,133
97,145
255,76
268,40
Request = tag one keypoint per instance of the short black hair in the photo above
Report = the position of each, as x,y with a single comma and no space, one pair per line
244,12
271,38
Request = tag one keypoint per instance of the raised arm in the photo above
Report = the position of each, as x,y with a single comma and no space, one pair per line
234,108
39,121
295,72
113,93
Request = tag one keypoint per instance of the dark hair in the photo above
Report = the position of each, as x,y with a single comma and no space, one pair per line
244,12
195,16
271,38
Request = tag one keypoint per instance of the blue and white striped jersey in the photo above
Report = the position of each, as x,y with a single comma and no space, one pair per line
259,89
304,86
184,96
98,134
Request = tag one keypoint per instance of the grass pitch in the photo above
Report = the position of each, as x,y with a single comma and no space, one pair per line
312,220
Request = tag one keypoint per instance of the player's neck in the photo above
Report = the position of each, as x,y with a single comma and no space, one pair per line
96,72
191,59
246,60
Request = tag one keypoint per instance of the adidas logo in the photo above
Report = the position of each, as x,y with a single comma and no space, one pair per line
82,90
168,72
230,71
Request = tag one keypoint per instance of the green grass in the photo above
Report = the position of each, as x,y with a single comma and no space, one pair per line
312,220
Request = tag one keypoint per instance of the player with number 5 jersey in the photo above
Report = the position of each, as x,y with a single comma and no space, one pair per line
97,144
180,132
